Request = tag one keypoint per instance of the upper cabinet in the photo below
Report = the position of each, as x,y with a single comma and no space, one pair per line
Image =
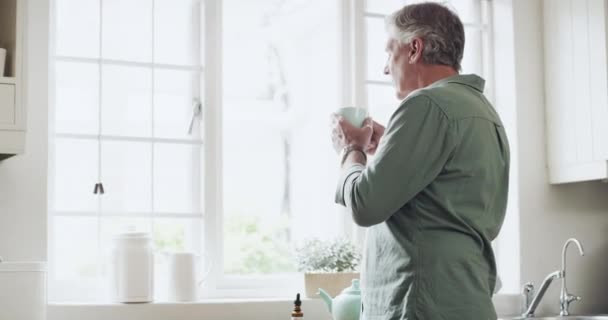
12,112
576,92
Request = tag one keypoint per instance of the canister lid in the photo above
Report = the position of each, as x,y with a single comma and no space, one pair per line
132,235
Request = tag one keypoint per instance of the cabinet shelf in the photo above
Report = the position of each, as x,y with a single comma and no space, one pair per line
8,80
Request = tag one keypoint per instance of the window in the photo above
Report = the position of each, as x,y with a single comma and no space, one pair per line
256,174
280,80
128,79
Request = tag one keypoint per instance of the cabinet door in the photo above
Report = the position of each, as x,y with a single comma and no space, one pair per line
576,99
7,105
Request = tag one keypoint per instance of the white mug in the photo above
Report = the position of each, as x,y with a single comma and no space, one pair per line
356,116
2,61
183,282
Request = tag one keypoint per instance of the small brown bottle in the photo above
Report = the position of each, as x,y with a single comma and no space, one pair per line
297,313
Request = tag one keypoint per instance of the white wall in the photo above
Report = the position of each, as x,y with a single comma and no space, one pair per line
23,178
549,215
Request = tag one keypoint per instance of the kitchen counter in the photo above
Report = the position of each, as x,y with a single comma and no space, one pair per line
253,309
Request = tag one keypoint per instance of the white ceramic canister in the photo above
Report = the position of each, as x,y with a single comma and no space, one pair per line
22,290
133,268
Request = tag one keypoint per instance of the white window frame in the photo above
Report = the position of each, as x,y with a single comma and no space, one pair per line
87,289
218,284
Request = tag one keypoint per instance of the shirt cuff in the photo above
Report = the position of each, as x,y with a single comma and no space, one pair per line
345,182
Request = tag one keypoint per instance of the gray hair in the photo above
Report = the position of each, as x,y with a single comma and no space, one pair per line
439,28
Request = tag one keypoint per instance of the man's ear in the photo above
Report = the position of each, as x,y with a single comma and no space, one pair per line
415,50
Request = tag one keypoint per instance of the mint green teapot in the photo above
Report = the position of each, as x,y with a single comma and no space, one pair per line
346,305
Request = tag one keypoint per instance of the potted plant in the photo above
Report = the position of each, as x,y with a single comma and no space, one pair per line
331,265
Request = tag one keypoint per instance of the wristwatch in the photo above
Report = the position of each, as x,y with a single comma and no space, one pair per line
348,149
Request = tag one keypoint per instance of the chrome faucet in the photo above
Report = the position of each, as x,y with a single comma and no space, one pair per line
531,307
565,298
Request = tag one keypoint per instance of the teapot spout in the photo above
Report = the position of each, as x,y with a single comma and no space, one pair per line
326,297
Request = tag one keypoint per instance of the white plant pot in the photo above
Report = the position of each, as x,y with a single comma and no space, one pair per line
332,282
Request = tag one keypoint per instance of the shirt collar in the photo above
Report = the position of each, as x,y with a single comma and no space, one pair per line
472,80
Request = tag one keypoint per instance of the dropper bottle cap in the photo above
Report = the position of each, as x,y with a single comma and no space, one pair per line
297,311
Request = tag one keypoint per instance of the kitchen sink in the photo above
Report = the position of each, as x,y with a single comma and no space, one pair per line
597,317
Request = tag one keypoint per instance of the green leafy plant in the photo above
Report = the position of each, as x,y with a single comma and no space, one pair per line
339,255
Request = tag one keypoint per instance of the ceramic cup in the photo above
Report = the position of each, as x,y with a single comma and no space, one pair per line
354,115
184,279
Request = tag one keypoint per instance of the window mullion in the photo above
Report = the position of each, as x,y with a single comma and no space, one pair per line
213,136
99,147
198,154
359,45
113,62
152,133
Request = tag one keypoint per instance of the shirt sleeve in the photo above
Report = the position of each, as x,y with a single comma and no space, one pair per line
415,147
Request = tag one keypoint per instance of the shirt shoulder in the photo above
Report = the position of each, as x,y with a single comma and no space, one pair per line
417,106
458,101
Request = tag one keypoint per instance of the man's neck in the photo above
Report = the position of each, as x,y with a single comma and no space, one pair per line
429,74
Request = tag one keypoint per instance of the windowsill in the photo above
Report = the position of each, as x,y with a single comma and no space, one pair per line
226,309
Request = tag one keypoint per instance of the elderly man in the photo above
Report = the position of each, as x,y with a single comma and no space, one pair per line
434,196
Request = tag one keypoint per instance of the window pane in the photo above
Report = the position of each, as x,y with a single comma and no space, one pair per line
126,101
173,103
472,60
384,6
469,11
177,235
127,30
382,102
126,176
277,154
77,32
177,178
77,97
76,164
376,53
176,31
75,259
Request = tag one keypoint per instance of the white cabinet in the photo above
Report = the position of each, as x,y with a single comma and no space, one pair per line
576,90
12,110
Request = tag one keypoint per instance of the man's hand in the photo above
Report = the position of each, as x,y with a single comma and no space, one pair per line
345,134
378,132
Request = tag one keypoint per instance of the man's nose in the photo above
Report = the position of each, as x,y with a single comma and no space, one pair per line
386,69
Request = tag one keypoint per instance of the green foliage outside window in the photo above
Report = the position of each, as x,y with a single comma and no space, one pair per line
253,247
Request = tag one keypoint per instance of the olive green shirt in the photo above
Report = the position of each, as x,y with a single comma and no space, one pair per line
434,197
